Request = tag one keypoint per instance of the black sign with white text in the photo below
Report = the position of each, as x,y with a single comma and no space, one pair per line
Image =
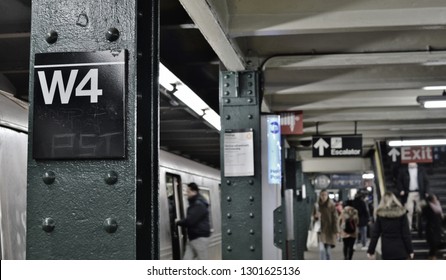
79,101
337,145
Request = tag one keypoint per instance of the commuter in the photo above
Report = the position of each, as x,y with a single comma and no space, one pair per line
364,218
197,224
349,224
412,185
433,214
339,206
325,211
392,226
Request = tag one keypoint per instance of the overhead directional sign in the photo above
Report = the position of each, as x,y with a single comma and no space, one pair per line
394,153
421,154
337,145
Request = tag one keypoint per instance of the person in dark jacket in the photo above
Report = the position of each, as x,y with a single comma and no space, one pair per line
364,218
197,224
393,228
433,214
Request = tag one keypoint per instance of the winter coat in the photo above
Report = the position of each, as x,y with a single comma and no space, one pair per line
348,213
392,226
434,223
403,181
329,222
197,218
363,211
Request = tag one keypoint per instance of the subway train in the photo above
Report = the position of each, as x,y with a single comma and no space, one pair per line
175,172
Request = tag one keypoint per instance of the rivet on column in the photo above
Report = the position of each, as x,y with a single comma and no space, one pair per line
112,34
110,225
49,177
48,224
51,37
111,178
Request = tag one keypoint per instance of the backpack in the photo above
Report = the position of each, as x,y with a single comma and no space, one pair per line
349,225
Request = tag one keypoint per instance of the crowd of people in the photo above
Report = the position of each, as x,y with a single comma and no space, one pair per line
410,207
347,222
353,222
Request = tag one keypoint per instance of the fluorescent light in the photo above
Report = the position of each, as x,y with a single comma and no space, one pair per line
435,88
167,79
193,101
433,101
420,142
435,104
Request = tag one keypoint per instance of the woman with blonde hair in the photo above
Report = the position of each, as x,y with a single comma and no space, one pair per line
392,226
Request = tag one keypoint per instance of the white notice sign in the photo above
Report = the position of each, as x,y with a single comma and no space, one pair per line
239,153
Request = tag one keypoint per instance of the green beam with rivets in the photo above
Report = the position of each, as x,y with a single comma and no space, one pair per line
240,101
99,208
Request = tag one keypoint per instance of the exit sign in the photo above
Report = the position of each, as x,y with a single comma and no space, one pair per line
416,154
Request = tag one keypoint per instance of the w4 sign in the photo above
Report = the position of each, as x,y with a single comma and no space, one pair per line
65,91
79,103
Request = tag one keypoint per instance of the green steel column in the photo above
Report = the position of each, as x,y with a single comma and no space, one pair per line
301,213
99,208
241,195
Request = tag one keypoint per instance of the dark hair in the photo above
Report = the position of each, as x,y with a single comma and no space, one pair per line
430,197
193,187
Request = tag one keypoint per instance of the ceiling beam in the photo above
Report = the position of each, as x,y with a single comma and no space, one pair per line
376,114
305,62
356,16
213,29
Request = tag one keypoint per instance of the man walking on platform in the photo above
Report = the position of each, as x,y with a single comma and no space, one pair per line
412,185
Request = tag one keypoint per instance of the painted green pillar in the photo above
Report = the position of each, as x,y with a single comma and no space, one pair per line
93,160
240,101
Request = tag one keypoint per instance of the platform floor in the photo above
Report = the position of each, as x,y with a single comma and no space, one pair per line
336,253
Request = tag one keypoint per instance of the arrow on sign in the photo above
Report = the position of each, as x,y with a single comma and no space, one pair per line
393,153
321,145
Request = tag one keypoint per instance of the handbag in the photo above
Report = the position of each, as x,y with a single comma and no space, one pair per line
312,237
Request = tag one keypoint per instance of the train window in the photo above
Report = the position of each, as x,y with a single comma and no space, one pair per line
176,211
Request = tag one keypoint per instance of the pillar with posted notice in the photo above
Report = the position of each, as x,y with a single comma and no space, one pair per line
241,167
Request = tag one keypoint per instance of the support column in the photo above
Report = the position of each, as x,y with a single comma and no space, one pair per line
93,157
241,167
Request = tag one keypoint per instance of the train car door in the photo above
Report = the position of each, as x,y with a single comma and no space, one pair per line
175,202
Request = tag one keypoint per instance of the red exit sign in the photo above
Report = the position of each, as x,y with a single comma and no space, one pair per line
416,154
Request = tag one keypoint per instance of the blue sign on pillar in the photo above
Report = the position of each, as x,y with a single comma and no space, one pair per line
274,150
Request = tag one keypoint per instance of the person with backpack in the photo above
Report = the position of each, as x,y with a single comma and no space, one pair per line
348,222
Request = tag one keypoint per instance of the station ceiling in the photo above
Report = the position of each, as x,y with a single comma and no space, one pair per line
349,65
